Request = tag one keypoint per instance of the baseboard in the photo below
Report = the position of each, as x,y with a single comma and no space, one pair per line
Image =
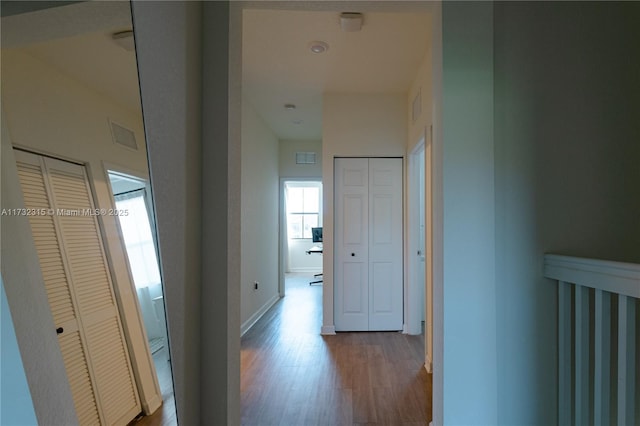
255,317
428,365
150,407
328,330
406,330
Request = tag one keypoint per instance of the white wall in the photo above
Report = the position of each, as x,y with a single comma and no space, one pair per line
422,85
567,175
260,208
357,125
556,177
469,299
16,405
27,300
299,260
438,215
51,113
288,166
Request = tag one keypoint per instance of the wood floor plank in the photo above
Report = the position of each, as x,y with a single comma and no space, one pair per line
166,414
292,376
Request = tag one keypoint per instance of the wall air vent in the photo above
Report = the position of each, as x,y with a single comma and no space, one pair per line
305,158
123,136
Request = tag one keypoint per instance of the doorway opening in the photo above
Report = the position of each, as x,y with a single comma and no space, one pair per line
137,227
302,216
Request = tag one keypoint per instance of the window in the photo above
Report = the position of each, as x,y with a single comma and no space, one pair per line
138,238
303,208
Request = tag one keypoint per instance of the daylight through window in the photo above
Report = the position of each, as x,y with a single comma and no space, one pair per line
303,208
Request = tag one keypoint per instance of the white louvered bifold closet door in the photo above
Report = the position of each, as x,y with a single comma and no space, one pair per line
79,289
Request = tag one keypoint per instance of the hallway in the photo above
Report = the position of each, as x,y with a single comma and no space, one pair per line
291,375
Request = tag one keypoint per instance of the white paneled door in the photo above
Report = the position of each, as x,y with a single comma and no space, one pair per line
368,282
78,284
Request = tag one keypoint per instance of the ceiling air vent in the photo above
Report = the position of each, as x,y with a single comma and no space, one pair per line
123,136
305,158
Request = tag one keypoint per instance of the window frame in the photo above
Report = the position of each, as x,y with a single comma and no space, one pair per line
317,214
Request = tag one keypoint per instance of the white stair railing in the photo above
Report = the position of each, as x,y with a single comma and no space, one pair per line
598,336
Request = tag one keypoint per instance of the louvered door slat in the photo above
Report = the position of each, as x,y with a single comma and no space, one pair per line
116,389
109,362
70,195
47,245
81,388
91,283
88,255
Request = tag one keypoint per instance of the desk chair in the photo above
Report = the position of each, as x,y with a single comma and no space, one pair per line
316,281
315,250
316,237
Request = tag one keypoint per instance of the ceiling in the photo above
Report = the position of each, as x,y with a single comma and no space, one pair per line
96,61
121,183
278,66
76,39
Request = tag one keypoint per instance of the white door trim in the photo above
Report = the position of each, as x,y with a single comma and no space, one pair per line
413,292
282,223
368,249
147,381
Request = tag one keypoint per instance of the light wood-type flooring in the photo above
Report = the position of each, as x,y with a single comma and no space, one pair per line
293,376
165,415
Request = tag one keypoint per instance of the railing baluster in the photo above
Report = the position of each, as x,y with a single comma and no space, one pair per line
581,345
564,353
602,359
598,365
626,360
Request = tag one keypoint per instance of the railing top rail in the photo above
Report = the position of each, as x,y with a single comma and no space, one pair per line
615,277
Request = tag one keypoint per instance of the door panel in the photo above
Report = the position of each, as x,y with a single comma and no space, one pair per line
351,244
354,296
353,212
382,220
79,377
109,360
368,244
381,291
46,240
64,309
385,247
90,281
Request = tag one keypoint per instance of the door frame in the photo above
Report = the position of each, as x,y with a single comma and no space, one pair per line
413,306
430,248
282,223
144,369
332,329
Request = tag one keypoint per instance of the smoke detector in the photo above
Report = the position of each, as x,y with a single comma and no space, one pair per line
318,46
351,21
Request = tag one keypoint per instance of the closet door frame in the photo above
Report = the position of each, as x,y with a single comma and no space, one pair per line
358,305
